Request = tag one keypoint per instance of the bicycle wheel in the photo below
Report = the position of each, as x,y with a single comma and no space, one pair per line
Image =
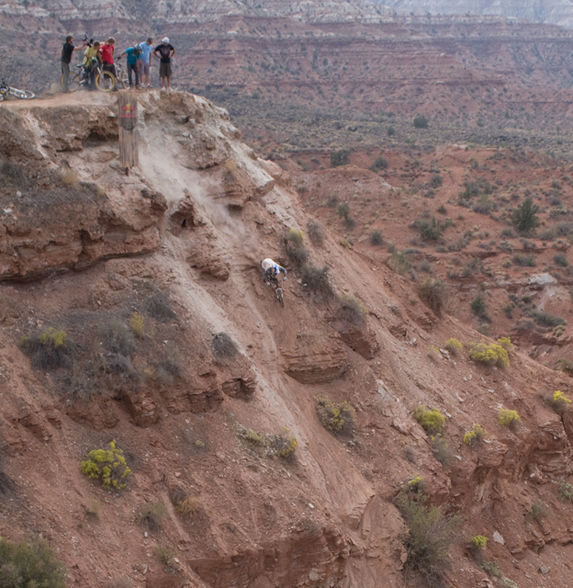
105,81
280,296
22,94
74,82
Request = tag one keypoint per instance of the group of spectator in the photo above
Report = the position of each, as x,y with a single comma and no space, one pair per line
138,61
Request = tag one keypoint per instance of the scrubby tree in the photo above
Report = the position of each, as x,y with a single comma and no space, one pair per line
524,218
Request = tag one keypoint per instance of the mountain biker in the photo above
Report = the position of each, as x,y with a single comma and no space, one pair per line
92,58
133,54
107,49
67,50
271,269
145,61
164,53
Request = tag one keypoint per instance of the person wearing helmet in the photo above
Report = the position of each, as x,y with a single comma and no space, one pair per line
164,52
271,270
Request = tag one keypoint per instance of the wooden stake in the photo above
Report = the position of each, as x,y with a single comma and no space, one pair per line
128,156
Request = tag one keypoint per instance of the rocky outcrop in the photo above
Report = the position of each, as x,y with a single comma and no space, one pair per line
310,556
315,358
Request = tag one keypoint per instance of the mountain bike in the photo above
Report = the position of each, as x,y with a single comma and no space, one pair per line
271,279
7,91
279,292
104,80
121,79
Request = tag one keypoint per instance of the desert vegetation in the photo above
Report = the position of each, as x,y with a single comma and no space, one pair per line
108,466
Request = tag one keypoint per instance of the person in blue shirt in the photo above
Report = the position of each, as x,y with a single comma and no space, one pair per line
145,62
133,54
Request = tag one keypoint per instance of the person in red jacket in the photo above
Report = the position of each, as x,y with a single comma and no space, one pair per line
107,49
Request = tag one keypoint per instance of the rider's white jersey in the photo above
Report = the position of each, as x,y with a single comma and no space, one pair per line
268,264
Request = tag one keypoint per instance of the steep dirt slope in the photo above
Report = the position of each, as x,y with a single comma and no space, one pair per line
176,348
471,195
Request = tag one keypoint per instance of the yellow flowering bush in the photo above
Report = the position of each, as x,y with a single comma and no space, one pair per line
108,466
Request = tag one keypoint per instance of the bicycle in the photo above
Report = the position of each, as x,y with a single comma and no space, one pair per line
6,91
104,80
280,298
121,79
271,279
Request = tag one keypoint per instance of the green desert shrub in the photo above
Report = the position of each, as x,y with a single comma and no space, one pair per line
316,280
474,435
376,238
545,319
492,568
277,445
454,346
508,418
430,419
48,350
524,218
430,229
151,514
565,491
343,210
158,306
524,260
432,292
506,343
137,324
479,308
252,436
108,466
29,565
341,157
336,417
430,535
537,512
441,449
398,262
489,354
188,507
479,541
315,232
117,337
282,446
294,248
420,122
433,353
566,366
559,401
351,310
379,163
166,554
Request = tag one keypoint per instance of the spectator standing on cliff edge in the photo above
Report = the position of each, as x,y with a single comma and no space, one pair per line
133,54
145,62
107,49
164,52
67,50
